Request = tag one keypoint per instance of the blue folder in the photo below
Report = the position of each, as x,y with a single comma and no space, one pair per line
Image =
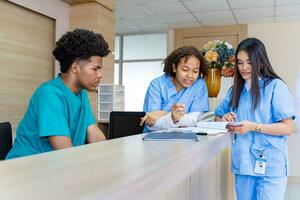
173,136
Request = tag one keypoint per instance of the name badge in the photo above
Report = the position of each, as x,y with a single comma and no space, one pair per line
260,164
260,167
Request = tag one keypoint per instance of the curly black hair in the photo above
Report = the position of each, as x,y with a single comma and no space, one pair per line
79,44
184,52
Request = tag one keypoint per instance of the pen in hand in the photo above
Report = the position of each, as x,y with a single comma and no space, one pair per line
229,117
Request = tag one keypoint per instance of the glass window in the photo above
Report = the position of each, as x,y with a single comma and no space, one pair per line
151,46
116,74
117,47
136,75
136,79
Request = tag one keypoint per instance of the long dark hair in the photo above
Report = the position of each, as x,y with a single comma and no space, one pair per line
184,52
261,67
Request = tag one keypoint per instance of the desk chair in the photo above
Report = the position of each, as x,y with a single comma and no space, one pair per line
122,123
5,139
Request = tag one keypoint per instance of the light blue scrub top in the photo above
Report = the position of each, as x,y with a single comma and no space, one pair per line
276,104
54,110
162,95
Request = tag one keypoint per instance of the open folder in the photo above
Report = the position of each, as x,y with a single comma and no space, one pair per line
190,133
171,135
202,128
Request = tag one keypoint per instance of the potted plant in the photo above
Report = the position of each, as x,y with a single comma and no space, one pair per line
220,58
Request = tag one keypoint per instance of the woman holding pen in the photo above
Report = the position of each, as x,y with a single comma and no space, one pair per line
261,102
179,97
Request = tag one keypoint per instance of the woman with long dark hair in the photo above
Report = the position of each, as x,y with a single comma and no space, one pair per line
261,102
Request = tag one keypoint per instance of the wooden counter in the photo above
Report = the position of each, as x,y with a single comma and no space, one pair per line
124,168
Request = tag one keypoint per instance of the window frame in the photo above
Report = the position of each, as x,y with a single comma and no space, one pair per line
121,61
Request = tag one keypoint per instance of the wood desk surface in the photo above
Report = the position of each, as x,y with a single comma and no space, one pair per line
124,168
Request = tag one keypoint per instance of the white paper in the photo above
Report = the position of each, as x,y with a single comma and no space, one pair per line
221,126
210,128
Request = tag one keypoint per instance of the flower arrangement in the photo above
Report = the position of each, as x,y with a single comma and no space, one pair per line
220,54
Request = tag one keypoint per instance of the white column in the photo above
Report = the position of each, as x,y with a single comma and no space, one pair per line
298,103
170,40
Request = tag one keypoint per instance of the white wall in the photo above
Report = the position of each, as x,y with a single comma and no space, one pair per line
55,9
282,41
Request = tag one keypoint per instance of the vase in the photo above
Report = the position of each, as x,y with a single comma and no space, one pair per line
213,81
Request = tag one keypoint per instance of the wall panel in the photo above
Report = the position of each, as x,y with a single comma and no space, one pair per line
26,42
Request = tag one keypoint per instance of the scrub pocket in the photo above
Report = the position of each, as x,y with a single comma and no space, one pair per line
240,157
276,164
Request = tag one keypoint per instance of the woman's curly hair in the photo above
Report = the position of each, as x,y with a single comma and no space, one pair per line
79,44
184,52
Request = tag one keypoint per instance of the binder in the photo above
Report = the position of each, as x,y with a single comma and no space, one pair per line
170,136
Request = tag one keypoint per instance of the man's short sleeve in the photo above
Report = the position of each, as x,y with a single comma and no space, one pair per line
91,118
52,113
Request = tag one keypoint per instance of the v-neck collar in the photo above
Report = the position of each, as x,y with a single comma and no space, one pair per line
172,87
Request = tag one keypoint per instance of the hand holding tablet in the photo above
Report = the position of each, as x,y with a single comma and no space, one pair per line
234,124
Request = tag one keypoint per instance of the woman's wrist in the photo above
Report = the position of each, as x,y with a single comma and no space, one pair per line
257,128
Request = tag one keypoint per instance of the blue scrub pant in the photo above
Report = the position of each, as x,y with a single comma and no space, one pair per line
259,187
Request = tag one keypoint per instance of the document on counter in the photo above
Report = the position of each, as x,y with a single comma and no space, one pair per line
213,128
190,133
204,128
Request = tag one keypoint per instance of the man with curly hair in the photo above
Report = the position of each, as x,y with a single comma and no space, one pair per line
59,114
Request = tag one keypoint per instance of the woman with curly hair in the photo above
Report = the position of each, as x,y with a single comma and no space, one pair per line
179,97
59,114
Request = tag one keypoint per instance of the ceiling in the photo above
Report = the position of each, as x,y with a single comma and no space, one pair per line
145,16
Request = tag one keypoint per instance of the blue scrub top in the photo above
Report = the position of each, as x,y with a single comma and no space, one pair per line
54,110
162,95
276,104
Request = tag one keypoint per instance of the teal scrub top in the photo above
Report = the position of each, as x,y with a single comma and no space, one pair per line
53,110
276,104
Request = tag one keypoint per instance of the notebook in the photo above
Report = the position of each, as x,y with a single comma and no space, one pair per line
214,128
172,136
